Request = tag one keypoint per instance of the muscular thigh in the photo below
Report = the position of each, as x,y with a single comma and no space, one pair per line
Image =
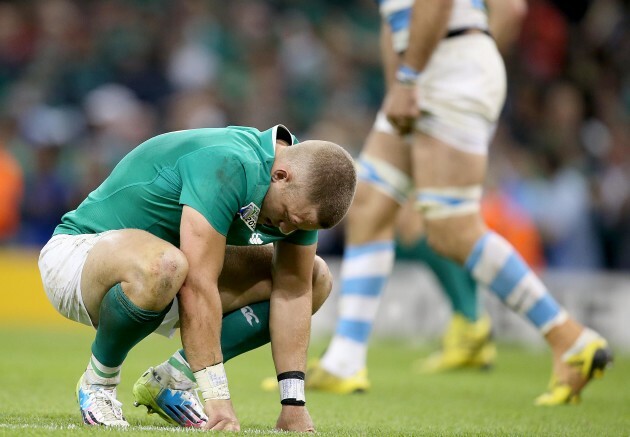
121,256
440,166
390,148
246,276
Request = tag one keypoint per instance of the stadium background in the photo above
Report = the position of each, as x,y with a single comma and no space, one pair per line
83,82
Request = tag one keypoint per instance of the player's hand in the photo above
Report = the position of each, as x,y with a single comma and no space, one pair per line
401,107
221,415
296,419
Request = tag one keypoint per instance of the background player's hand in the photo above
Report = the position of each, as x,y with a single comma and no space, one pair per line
401,107
221,415
294,418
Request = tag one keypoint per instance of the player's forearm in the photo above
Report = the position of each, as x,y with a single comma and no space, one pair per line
389,56
290,328
429,20
200,319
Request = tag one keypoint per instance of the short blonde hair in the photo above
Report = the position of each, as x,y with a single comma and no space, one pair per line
327,174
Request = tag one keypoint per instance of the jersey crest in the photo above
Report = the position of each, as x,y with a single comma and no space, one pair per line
256,238
249,215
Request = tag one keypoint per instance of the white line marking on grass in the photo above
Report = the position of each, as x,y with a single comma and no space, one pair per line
53,427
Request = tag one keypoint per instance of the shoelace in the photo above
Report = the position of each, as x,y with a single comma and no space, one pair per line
108,405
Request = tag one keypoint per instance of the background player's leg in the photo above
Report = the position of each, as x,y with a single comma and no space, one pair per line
467,341
455,228
457,284
367,262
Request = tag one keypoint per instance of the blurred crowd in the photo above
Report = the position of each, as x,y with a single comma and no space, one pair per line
83,82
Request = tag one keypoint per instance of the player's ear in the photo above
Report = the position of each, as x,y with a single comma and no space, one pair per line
280,174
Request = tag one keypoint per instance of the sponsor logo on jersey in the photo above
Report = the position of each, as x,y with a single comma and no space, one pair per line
255,239
250,316
249,215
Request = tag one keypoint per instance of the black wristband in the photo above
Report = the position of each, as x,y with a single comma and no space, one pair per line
294,374
292,401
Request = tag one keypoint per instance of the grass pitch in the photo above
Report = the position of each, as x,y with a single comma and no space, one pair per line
39,369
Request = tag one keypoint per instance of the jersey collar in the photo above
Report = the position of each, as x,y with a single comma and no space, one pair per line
280,132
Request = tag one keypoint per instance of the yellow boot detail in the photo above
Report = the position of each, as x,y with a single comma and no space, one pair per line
317,378
270,383
591,361
465,345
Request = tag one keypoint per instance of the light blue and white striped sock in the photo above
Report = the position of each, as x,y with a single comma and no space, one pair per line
364,271
494,263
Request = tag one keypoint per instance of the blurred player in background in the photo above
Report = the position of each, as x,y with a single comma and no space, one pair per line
447,94
159,227
467,341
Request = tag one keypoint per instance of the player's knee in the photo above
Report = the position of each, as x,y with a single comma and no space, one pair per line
370,215
173,266
163,273
455,237
322,283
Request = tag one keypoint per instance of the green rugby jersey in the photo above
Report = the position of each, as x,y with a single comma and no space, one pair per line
224,174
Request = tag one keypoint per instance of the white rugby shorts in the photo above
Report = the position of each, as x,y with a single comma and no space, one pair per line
460,93
61,263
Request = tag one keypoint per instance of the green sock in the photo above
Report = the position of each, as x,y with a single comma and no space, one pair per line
456,282
242,330
121,326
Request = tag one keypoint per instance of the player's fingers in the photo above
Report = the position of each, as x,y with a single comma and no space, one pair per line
225,425
295,426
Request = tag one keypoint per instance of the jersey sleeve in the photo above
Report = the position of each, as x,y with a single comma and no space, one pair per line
302,238
213,184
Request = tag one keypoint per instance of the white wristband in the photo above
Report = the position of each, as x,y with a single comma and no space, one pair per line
291,386
213,382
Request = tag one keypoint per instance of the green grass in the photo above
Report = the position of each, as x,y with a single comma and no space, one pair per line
39,370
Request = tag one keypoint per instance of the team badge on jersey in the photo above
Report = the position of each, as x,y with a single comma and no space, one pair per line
249,215
255,239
